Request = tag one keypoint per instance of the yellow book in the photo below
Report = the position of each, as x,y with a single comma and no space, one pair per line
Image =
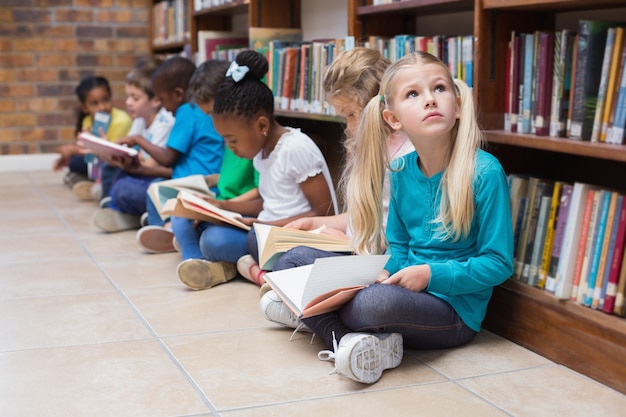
550,232
612,83
274,241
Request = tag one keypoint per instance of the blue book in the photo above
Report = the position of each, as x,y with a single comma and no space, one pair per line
101,120
598,239
529,52
611,252
615,133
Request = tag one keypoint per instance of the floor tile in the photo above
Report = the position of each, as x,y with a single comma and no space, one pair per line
116,379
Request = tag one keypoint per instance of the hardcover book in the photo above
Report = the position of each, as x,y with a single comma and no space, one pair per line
162,191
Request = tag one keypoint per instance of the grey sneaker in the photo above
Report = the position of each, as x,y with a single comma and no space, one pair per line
364,356
199,274
274,309
109,220
82,190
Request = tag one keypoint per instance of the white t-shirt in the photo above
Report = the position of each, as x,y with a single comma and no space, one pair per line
158,131
294,159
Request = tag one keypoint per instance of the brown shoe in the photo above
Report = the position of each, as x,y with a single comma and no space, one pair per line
82,190
199,274
155,239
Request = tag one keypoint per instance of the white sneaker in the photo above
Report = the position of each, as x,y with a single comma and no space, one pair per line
364,356
274,309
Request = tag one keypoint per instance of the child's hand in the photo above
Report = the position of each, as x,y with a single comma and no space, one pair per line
414,278
305,223
248,220
65,153
128,141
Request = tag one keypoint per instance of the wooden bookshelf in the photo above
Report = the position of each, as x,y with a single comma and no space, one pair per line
583,339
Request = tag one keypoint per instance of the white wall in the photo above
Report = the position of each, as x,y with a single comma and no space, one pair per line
324,19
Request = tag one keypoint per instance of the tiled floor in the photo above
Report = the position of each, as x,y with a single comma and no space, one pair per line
90,326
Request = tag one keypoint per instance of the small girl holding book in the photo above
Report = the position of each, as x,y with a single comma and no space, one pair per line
294,180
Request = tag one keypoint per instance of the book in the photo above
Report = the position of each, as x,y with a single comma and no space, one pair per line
551,224
570,99
545,62
539,240
562,218
209,39
589,287
191,206
620,296
561,81
591,45
609,257
615,133
161,191
571,238
522,243
585,244
613,81
518,187
327,284
274,241
101,122
593,294
103,148
528,77
544,188
616,262
602,88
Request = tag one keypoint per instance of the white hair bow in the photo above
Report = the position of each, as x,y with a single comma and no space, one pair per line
236,71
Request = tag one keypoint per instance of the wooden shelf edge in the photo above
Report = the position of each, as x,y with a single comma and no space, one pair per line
170,46
550,5
237,7
309,116
560,145
587,341
425,6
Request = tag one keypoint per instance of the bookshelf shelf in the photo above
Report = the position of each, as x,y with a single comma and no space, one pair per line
550,5
169,47
310,116
560,145
416,6
229,9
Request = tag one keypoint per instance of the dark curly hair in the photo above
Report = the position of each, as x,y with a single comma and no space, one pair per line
249,96
205,81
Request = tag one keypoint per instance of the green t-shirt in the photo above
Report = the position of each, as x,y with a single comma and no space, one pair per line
237,176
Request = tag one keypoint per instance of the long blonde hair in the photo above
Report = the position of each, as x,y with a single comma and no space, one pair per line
354,76
457,200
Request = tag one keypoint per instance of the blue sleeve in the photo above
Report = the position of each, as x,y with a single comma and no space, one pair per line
397,234
493,261
181,135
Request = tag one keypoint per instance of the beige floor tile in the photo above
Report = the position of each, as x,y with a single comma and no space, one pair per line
40,248
55,277
140,271
179,310
549,390
486,354
433,400
116,379
50,321
254,367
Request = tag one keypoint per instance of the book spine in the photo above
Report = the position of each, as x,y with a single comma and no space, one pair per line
609,239
515,87
540,235
582,243
550,232
604,76
543,188
615,133
524,231
570,100
557,82
544,83
597,243
616,261
508,93
563,214
620,297
611,90
529,54
589,248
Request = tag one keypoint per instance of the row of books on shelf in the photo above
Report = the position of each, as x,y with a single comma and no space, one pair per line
457,52
171,23
569,241
205,4
567,83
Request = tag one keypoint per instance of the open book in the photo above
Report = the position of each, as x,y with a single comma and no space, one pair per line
104,148
191,206
327,284
161,191
274,241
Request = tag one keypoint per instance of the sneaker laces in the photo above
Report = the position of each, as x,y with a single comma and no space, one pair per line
301,326
329,355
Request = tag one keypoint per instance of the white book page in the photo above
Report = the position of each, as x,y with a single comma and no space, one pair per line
342,271
289,284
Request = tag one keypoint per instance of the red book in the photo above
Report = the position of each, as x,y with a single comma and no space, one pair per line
544,83
616,263
580,253
289,76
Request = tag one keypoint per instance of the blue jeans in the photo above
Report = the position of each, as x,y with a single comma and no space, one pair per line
423,320
129,193
108,175
213,242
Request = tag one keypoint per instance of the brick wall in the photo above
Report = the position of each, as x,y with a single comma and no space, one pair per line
46,48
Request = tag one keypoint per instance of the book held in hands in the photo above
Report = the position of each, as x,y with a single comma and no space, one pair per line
105,149
274,241
327,284
161,191
192,206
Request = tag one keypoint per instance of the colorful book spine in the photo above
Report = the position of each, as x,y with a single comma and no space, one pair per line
529,53
616,262
546,256
591,45
589,231
539,240
613,82
544,83
609,239
615,133
602,89
559,233
598,241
